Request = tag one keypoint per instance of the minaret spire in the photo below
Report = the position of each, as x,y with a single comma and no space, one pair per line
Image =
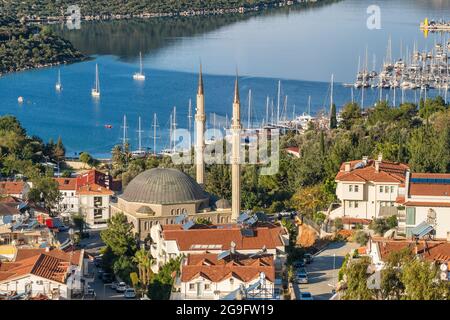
235,155
200,81
200,131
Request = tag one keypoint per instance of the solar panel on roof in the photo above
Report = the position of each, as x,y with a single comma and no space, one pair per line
422,230
188,225
223,255
180,219
244,216
431,180
252,220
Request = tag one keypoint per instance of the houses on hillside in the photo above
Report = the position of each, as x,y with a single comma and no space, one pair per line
369,189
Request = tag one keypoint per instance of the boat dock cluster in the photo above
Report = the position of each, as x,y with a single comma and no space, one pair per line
433,25
421,70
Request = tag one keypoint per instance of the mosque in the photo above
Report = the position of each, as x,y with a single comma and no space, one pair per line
160,195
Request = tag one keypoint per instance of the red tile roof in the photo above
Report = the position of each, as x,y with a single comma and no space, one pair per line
94,189
11,187
66,183
9,209
429,189
52,265
269,236
432,251
239,266
349,220
389,172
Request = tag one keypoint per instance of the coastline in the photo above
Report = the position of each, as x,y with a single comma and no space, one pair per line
184,13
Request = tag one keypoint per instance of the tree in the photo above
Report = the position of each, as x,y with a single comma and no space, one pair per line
379,225
85,158
202,220
361,238
59,151
79,222
338,224
144,262
351,114
333,117
421,281
322,143
392,222
118,236
45,190
357,276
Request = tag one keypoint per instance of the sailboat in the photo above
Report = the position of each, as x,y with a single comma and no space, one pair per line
140,152
96,90
139,75
58,85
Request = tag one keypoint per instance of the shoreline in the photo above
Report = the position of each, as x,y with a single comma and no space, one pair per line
184,13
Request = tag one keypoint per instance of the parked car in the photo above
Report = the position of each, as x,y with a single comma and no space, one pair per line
301,277
308,258
114,285
107,278
129,293
121,287
306,296
299,264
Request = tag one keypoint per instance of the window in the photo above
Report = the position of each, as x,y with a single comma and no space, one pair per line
411,216
392,189
350,188
381,189
191,286
231,281
356,204
207,286
386,189
356,188
350,204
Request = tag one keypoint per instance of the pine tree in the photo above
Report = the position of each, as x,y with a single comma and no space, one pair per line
333,117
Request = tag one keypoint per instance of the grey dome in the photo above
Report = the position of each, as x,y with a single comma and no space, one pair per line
223,204
163,186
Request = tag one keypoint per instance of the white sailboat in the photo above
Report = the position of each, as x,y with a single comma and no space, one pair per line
58,85
139,75
96,90
140,152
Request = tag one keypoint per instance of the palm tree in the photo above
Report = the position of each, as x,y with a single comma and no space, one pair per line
144,262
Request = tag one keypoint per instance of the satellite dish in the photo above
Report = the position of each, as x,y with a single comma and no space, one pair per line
262,276
443,267
444,276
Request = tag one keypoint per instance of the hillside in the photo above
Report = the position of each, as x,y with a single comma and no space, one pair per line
32,9
25,47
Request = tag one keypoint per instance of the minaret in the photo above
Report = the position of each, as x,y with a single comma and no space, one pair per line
235,155
200,131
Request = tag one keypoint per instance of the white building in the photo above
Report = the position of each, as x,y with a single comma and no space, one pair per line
32,272
171,241
211,276
427,198
94,203
69,202
368,188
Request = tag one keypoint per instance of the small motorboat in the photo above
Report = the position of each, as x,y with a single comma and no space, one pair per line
108,126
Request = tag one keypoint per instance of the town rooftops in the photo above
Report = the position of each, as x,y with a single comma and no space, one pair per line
430,184
366,170
429,250
220,237
243,267
53,264
94,189
11,187
66,183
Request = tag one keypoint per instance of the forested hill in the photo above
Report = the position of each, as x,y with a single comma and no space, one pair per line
133,8
25,47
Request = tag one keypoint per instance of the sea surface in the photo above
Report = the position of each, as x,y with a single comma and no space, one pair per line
302,47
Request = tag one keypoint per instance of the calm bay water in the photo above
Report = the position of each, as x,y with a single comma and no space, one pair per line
300,46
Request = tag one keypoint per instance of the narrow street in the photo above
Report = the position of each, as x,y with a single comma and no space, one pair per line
323,271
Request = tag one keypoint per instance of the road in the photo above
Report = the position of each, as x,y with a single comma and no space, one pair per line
323,271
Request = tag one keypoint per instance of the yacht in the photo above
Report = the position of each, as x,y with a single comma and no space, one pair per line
139,75
96,90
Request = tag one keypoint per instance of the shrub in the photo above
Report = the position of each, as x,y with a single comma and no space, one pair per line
361,238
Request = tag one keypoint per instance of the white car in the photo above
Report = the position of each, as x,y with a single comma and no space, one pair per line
121,287
129,293
306,296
